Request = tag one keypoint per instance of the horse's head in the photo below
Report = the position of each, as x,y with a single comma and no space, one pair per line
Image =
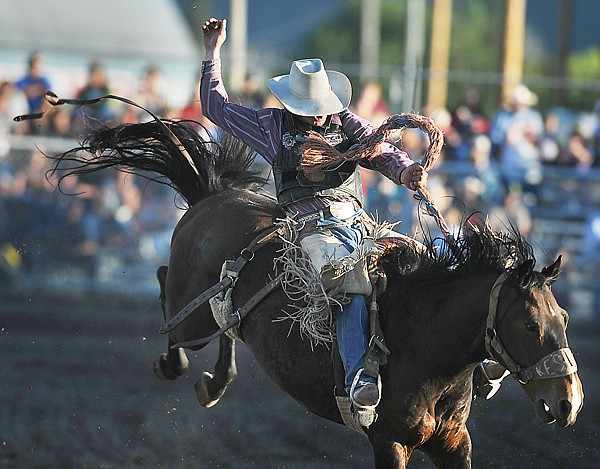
526,332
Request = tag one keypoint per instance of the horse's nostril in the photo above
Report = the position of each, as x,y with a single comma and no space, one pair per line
564,407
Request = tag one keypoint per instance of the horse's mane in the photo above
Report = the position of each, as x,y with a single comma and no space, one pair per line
476,250
150,150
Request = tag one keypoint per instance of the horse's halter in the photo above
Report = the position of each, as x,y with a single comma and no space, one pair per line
561,362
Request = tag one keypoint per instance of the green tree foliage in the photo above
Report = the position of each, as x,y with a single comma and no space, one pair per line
585,67
476,43
476,51
582,81
337,39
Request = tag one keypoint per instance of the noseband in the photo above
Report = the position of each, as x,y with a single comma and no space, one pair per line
561,362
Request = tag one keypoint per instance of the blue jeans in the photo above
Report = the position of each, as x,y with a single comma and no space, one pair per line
352,323
352,329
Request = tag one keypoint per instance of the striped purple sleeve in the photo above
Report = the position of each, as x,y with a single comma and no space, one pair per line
392,160
260,129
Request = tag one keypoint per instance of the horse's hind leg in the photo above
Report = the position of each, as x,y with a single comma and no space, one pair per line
209,388
174,363
161,275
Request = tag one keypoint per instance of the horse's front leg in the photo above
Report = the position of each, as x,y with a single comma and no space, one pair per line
389,454
209,388
458,456
171,365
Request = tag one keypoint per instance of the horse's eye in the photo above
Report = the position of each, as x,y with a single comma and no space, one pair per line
565,316
532,327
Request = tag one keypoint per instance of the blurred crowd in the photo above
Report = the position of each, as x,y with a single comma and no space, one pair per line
41,228
493,162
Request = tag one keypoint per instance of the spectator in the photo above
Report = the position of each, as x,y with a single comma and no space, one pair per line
548,143
371,105
468,121
516,132
151,95
95,87
576,153
34,84
251,95
596,136
79,243
414,142
592,250
59,123
487,170
193,111
34,199
11,104
512,211
471,113
454,146
517,113
520,160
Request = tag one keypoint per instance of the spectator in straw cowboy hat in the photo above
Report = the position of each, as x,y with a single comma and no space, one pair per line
313,99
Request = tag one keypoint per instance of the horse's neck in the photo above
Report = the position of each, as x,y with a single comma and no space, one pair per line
448,326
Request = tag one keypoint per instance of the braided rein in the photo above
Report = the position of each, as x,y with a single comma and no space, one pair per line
317,155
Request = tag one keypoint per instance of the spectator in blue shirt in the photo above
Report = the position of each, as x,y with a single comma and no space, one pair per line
34,84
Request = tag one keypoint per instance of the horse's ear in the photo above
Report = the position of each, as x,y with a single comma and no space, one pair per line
524,273
551,271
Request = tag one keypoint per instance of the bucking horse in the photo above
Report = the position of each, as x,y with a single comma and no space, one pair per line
447,304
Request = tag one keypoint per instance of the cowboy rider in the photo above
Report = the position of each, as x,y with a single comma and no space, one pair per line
313,99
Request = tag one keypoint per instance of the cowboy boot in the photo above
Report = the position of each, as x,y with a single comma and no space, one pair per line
365,392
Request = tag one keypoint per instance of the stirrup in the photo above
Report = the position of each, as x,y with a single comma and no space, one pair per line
353,389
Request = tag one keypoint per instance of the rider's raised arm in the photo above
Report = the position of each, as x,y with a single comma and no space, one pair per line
260,129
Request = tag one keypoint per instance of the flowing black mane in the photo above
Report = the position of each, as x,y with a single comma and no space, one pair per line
150,150
477,250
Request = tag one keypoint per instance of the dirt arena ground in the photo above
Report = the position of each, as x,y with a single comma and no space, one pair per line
78,391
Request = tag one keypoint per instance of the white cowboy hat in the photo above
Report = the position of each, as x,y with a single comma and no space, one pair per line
310,90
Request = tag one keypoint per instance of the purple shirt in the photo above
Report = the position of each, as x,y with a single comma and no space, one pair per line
261,129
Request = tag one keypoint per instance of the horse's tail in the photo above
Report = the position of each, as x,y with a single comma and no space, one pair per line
171,152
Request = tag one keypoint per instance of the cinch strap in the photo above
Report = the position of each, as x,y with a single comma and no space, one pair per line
246,255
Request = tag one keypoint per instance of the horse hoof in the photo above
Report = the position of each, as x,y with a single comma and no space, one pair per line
161,368
184,363
201,388
163,371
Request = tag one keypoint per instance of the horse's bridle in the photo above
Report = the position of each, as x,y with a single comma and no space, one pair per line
561,362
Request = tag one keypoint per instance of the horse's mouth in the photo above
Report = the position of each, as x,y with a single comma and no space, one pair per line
543,412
